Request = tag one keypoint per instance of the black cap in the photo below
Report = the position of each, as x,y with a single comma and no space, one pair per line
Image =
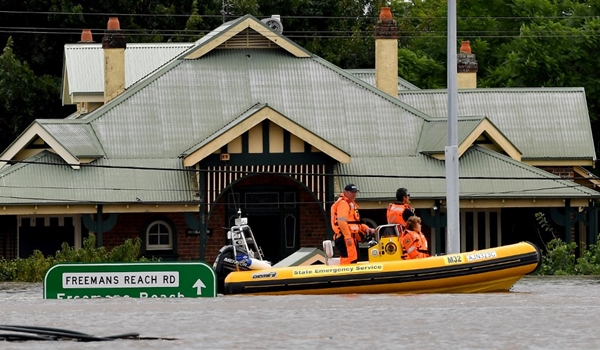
351,188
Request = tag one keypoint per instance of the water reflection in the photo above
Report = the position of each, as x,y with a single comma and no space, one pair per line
540,313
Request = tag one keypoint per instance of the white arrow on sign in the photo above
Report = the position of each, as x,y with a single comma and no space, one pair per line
199,285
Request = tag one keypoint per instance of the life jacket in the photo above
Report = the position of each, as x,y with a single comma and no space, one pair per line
398,213
414,245
353,218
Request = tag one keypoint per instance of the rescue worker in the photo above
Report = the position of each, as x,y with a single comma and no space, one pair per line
400,211
346,225
414,243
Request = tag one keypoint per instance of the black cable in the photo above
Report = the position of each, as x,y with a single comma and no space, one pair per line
46,333
397,18
256,172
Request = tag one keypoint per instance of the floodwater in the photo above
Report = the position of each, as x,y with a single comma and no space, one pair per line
539,313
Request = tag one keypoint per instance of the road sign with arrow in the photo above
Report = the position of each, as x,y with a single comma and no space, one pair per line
179,279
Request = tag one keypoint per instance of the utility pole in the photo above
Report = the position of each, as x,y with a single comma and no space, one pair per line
451,150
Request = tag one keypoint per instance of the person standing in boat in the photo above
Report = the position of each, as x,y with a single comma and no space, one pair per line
346,225
399,212
414,243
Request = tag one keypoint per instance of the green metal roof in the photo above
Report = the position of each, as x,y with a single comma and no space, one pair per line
104,181
434,136
77,138
543,123
483,174
194,99
187,102
368,75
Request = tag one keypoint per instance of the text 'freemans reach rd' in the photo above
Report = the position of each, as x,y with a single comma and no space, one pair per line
120,279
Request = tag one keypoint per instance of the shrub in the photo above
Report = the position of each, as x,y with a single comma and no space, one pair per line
33,268
589,263
559,258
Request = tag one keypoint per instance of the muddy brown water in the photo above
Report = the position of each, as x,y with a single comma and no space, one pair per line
539,313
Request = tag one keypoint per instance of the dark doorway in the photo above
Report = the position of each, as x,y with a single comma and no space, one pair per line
47,239
267,232
272,213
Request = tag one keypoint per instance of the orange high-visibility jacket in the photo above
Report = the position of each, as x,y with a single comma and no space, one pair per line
414,245
398,213
345,219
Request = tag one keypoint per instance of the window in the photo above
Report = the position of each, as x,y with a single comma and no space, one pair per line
159,236
480,229
290,231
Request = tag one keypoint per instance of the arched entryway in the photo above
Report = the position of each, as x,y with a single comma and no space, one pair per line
283,214
272,213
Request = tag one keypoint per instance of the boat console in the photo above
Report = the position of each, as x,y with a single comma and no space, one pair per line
386,245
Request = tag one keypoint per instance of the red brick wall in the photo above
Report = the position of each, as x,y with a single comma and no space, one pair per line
564,172
313,225
131,225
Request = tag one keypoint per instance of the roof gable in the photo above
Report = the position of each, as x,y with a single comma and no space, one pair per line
244,32
47,179
483,174
189,100
252,118
74,142
474,130
527,116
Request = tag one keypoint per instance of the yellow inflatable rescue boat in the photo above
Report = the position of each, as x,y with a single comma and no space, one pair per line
241,269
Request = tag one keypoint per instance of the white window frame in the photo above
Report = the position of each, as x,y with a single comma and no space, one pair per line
159,246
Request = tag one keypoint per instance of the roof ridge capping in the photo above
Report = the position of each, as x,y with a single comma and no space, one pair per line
494,89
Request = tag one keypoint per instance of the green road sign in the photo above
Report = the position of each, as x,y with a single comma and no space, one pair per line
130,280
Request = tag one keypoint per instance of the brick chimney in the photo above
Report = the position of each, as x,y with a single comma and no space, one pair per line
386,53
466,67
113,45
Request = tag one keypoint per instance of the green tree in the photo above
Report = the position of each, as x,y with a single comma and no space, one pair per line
25,96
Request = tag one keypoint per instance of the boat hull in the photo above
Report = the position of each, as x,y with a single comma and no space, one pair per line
489,270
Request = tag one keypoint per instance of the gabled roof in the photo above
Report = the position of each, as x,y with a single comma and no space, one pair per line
241,31
216,90
73,141
482,174
546,124
251,118
471,130
368,75
186,101
83,66
47,179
